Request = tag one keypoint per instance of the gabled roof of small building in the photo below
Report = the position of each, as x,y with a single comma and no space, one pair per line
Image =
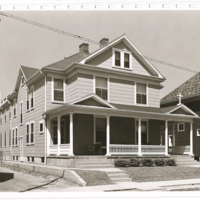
28,71
189,88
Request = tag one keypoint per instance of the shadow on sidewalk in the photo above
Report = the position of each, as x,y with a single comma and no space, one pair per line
6,176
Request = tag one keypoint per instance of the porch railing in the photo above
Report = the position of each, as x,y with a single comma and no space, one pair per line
121,149
62,149
181,149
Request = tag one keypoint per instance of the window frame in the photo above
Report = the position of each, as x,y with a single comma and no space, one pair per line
13,137
41,122
28,133
147,99
14,107
178,129
31,143
21,113
52,89
16,136
122,56
107,82
31,91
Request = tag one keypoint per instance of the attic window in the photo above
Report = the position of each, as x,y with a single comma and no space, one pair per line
121,58
22,81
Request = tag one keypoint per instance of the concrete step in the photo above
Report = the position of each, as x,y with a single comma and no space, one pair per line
94,162
96,166
187,163
115,176
122,180
186,160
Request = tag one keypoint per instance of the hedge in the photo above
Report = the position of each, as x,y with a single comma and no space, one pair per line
146,162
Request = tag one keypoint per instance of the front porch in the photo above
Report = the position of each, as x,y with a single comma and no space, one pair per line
75,134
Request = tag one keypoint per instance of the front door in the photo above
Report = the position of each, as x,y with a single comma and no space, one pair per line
21,148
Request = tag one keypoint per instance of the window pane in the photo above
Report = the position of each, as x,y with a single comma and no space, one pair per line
141,88
32,137
32,128
41,127
126,60
144,99
101,82
139,98
98,92
104,95
117,58
58,95
58,84
27,128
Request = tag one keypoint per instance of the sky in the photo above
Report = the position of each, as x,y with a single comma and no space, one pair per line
170,36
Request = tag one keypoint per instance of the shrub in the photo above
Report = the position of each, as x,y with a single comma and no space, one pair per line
122,163
135,162
159,162
147,162
170,162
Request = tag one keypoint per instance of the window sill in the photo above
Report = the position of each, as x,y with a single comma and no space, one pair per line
32,108
56,102
127,69
40,133
145,105
15,116
21,124
27,111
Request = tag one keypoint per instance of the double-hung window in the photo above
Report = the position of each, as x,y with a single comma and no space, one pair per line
27,133
21,113
16,137
27,100
15,108
58,90
41,127
121,58
1,140
102,88
13,137
32,97
141,93
5,139
32,133
9,137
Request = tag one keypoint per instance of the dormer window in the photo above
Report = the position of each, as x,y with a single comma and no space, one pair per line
122,58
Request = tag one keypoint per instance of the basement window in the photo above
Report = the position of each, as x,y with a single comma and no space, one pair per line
181,127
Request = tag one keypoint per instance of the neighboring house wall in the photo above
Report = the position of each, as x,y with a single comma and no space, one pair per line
37,149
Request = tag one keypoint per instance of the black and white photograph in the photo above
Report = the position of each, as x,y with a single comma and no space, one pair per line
99,99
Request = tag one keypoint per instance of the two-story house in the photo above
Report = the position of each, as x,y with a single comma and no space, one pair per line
101,103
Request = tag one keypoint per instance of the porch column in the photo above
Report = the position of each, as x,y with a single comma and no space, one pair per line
139,138
48,138
58,134
191,139
108,136
166,137
71,135
173,139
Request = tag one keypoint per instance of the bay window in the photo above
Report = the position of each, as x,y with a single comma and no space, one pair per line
141,93
101,88
58,90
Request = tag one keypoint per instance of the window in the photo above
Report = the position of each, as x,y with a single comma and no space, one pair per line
32,132
181,127
9,115
22,81
32,97
41,128
58,90
13,137
27,100
141,97
1,140
16,141
9,137
5,117
101,88
28,158
42,160
198,132
122,58
32,159
5,139
21,113
14,107
27,133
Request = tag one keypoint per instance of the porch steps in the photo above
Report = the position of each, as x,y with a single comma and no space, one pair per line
184,160
103,164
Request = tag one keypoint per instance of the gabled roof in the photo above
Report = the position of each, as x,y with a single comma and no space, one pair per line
189,88
96,98
66,62
135,51
28,71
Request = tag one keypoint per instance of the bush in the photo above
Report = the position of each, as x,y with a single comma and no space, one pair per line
147,162
135,162
159,162
170,162
122,163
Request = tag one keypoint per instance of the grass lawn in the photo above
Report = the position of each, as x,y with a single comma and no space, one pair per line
93,177
148,174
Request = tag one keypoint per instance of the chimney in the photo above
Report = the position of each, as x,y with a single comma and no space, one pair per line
103,42
84,48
